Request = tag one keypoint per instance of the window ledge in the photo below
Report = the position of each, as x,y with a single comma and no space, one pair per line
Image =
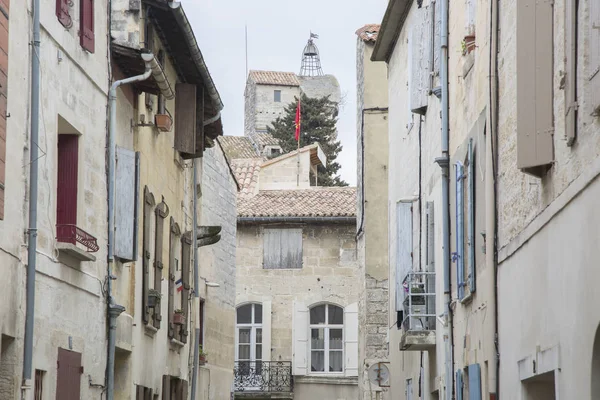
467,299
327,379
150,331
176,343
74,251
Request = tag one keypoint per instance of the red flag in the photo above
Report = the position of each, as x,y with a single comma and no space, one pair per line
297,136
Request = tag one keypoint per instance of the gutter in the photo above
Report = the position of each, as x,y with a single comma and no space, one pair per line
283,219
209,84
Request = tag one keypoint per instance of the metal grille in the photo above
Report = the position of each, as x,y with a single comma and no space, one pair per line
311,61
39,384
67,233
263,376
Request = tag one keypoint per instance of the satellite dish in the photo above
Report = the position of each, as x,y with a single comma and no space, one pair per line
379,374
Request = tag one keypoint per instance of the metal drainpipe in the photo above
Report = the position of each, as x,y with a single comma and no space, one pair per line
444,162
33,194
114,310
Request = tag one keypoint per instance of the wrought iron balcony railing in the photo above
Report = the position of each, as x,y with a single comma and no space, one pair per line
263,376
72,234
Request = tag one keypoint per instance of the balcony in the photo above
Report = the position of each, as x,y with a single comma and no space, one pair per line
68,236
263,379
419,320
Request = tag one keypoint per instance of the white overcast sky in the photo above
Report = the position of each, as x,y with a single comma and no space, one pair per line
277,33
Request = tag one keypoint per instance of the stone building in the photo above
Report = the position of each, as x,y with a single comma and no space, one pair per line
372,211
297,278
171,171
70,315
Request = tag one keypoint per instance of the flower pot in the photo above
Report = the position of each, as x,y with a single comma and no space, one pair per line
153,299
178,319
202,360
163,122
469,43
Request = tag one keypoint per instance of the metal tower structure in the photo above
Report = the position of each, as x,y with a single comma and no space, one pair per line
311,62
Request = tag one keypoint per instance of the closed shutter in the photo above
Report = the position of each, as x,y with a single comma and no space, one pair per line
300,339
266,330
535,56
594,67
404,245
174,233
282,248
474,382
166,387
185,118
459,255
571,107
125,204
68,376
162,211
184,390
437,37
86,29
66,192
62,13
351,339
459,385
471,210
186,251
148,207
421,68
430,262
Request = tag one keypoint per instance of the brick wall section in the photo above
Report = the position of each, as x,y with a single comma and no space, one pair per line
4,9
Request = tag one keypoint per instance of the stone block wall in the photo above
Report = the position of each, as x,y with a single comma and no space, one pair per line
321,86
284,174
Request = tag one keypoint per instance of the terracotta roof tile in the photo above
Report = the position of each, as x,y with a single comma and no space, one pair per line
246,172
313,202
266,139
275,78
369,32
238,147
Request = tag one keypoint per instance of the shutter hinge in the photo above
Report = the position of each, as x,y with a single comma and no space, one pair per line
81,369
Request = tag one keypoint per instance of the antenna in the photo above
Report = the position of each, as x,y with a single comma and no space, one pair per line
246,29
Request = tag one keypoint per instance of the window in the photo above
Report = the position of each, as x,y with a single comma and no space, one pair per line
39,385
277,96
86,25
201,322
149,203
69,371
404,251
143,393
161,212
249,333
126,204
570,78
593,75
409,389
326,338
186,254
282,248
471,17
66,187
62,13
468,383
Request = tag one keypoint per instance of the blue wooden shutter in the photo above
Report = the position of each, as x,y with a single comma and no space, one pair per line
403,248
460,232
471,232
474,382
459,385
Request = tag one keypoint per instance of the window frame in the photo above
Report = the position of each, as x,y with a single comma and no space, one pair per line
253,326
326,334
276,98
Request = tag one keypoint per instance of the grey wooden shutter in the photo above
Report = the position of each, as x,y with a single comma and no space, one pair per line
272,248
437,37
459,385
166,387
174,233
404,245
459,255
139,392
535,56
125,185
571,106
471,217
430,263
282,248
185,118
421,69
594,49
186,251
162,211
474,382
148,207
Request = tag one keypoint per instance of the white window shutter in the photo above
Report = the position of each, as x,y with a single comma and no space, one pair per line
125,204
351,339
420,62
266,330
403,248
594,55
300,339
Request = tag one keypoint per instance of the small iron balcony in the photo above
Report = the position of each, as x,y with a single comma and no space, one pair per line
263,377
419,311
72,234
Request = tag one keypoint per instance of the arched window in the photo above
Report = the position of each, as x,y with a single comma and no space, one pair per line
249,332
327,339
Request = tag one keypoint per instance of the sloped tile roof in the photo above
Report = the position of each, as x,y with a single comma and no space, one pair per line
236,147
275,78
369,32
266,139
313,202
246,171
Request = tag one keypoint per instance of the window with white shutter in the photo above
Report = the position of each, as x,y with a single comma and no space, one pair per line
126,204
282,248
351,339
420,61
300,339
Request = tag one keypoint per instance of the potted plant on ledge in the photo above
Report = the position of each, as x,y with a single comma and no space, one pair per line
153,298
178,317
202,356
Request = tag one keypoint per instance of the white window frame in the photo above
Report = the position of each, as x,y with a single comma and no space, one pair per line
326,328
253,326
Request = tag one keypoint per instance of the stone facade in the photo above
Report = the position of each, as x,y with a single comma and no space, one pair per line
372,239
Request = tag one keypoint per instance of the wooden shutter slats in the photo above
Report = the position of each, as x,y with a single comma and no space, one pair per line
571,71
68,379
125,204
186,252
162,211
86,22
148,207
62,13
174,232
185,118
